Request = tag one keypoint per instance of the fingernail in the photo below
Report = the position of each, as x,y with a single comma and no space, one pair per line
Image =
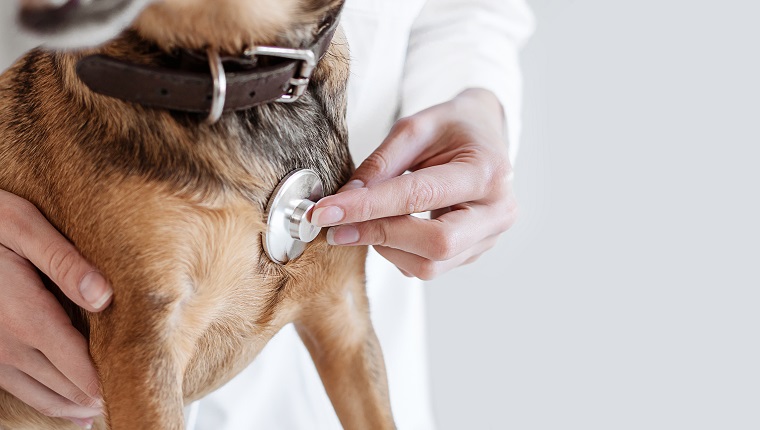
343,235
95,289
356,183
327,216
85,423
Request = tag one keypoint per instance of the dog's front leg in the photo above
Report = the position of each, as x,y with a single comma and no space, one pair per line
137,347
337,331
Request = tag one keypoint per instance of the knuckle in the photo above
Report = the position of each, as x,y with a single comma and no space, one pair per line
407,125
428,270
365,209
14,206
410,127
80,398
422,196
27,209
375,164
93,387
503,168
508,217
444,245
16,213
499,173
51,323
61,259
378,232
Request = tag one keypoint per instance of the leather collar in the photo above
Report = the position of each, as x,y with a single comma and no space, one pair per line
282,76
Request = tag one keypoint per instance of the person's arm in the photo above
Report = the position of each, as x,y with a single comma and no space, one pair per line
462,58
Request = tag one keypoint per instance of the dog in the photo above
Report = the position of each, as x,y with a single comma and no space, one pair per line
170,204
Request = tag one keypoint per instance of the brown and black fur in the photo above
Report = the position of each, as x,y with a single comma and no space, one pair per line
172,212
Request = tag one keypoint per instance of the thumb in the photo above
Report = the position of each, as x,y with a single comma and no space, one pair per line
31,236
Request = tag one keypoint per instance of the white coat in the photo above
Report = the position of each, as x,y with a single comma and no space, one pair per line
406,55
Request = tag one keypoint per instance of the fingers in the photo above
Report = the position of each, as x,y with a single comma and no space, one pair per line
63,346
41,398
32,317
426,269
471,173
427,189
69,353
438,239
26,232
460,171
42,370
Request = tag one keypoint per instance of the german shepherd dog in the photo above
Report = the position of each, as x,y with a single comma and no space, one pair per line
172,209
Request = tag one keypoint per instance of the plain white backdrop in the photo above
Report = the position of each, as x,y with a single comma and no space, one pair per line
628,294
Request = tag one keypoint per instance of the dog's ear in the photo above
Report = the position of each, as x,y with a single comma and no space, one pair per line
67,24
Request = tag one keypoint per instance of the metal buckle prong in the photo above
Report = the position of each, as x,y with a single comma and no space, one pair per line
299,83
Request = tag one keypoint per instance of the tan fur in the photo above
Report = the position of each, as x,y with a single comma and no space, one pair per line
175,222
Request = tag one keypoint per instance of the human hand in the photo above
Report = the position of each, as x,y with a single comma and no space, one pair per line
460,171
44,360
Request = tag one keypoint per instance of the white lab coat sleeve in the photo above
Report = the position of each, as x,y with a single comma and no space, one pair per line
460,44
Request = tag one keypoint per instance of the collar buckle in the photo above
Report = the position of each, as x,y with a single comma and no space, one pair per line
300,81
219,95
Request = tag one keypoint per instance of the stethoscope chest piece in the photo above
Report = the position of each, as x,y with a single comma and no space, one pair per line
288,229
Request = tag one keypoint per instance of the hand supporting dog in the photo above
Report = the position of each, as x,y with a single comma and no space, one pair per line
461,172
44,360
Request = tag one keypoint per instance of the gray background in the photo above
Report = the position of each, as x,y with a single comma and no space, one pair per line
626,297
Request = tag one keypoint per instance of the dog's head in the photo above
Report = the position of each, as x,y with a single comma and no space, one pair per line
229,25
